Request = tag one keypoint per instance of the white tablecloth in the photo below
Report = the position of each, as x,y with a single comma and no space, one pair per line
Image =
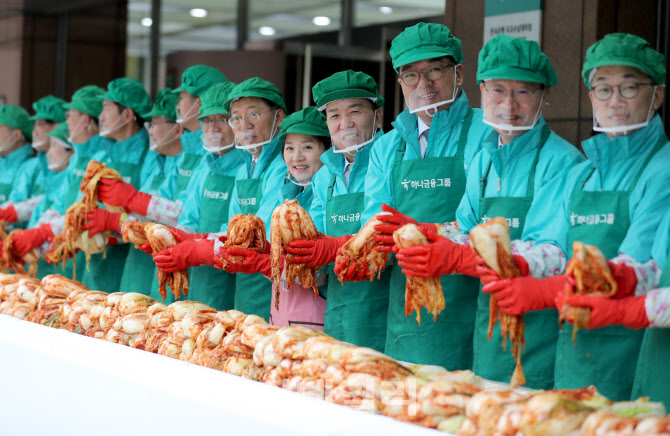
59,383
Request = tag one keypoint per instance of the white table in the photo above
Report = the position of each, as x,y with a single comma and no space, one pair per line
59,383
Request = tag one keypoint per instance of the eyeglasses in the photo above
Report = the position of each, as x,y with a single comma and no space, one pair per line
498,95
411,78
149,124
219,122
251,118
626,90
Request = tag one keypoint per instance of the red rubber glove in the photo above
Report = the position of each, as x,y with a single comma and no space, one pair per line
354,273
441,257
623,274
628,312
316,252
254,262
101,220
28,239
488,275
123,194
146,248
185,254
392,223
8,215
523,294
182,236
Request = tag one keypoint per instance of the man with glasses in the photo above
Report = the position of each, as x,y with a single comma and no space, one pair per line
519,174
615,201
256,110
160,168
420,168
206,207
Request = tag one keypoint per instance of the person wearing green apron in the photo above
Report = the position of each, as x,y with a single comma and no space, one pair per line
29,185
121,120
420,167
304,137
647,309
59,155
206,206
81,116
195,80
15,152
164,148
355,311
519,175
256,109
614,201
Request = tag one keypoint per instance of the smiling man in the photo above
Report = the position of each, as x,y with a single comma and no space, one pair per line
519,174
420,168
615,201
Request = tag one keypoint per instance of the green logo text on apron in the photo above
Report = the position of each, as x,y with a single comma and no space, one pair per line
490,360
355,311
604,357
429,190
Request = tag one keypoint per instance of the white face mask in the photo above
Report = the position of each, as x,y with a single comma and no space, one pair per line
352,139
9,143
211,141
417,97
155,145
189,114
244,137
116,126
38,144
508,129
63,162
624,130
293,180
77,130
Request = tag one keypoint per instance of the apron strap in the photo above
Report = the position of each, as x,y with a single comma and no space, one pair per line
531,177
465,129
662,140
400,151
483,181
331,187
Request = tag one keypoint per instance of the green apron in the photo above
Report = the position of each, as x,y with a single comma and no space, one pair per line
355,311
490,360
104,274
140,269
256,289
652,378
209,285
429,190
190,163
604,357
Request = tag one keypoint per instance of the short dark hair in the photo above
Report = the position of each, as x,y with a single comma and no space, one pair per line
140,120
